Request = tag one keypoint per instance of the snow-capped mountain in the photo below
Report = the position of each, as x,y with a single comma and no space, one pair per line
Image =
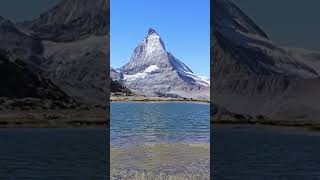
249,67
154,71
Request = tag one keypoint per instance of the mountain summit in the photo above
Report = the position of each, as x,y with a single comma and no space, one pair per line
152,31
154,71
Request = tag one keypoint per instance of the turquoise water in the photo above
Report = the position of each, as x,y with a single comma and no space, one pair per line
165,140
257,153
152,123
52,154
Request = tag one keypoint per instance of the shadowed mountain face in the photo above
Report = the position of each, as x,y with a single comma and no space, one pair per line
75,39
19,80
79,68
250,51
155,72
24,88
21,73
249,67
116,87
72,20
19,44
65,49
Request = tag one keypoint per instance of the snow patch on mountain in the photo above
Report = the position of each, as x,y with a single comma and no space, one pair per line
154,44
196,79
141,75
205,78
134,76
151,69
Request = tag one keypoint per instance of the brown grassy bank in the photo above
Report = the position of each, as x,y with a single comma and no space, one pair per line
153,99
94,117
293,124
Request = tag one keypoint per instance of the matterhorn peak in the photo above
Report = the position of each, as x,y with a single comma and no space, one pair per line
152,31
153,42
153,71
152,34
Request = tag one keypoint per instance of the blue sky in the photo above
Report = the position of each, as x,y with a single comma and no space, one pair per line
183,25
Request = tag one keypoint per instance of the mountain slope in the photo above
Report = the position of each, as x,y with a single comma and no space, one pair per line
248,46
22,87
116,87
154,71
71,20
19,80
20,70
19,44
115,75
79,68
249,67
75,37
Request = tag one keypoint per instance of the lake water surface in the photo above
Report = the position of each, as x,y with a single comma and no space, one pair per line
160,140
52,154
168,143
258,153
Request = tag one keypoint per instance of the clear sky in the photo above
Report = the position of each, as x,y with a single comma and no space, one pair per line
292,23
183,25
20,10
